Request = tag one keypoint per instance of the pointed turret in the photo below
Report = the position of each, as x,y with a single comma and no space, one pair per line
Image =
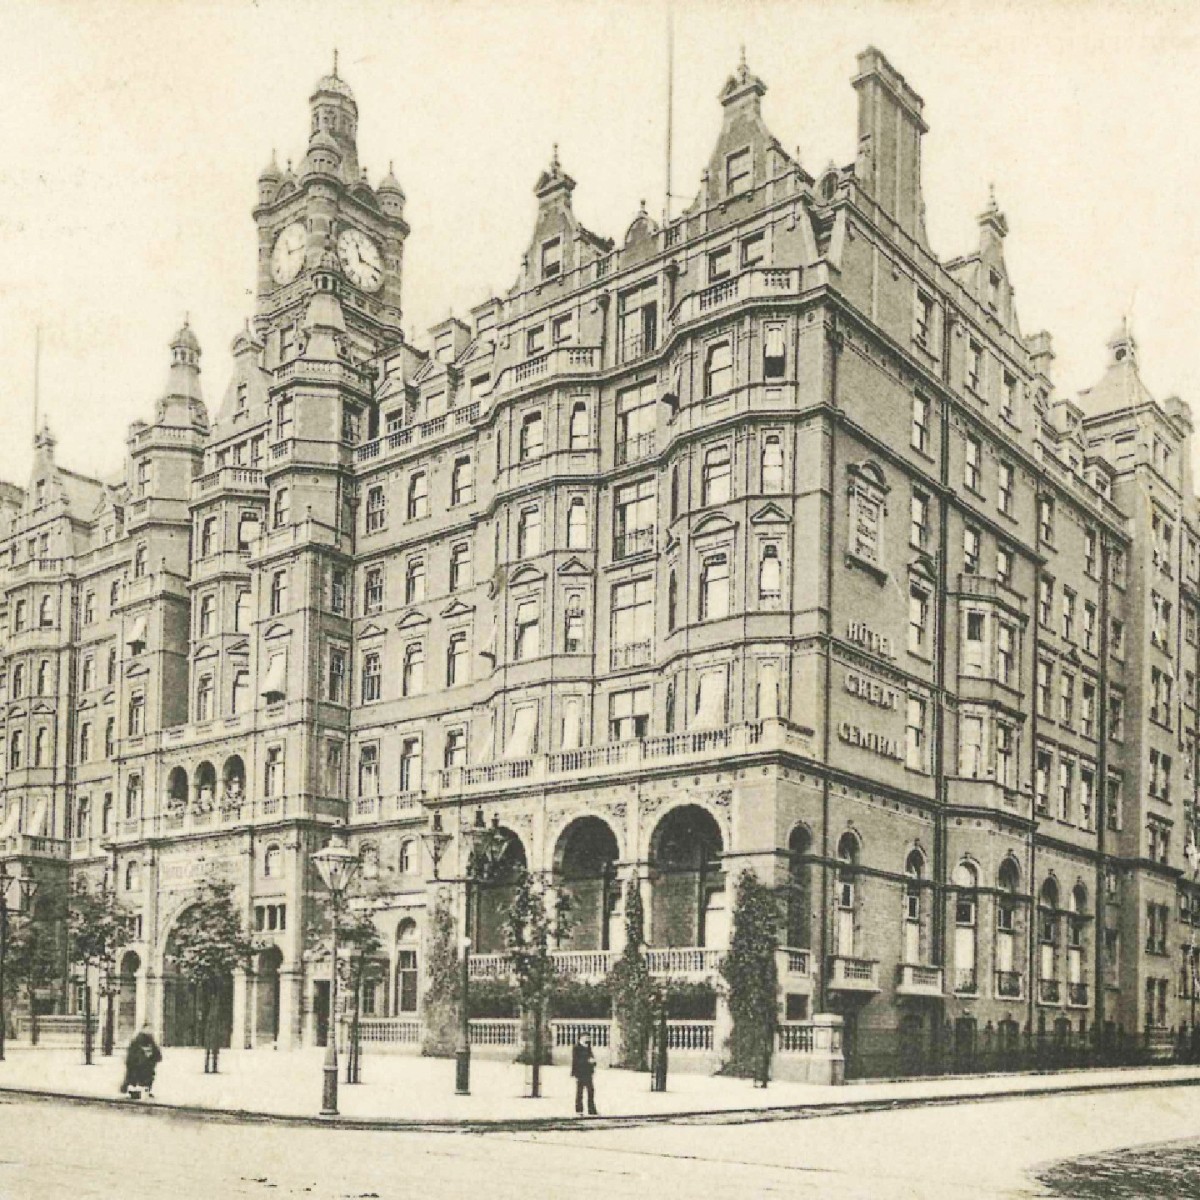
269,181
335,113
743,89
1121,385
391,194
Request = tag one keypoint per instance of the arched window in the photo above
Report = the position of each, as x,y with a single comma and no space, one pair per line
529,533
18,681
407,857
456,660
43,678
418,495
16,750
45,613
414,669
672,602
581,426
531,441
281,509
460,567
848,856
133,797
717,478
414,580
39,747
770,575
279,592
239,700
772,464
966,905
714,587
462,482
799,912
133,876
914,869
272,865
1048,940
577,530
1077,990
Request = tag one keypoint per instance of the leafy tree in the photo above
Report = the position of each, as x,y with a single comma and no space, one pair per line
529,932
440,1006
752,978
632,986
98,925
34,955
210,944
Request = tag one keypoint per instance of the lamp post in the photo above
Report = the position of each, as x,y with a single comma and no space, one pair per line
26,887
483,848
337,864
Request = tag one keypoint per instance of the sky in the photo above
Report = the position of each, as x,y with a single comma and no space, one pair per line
134,132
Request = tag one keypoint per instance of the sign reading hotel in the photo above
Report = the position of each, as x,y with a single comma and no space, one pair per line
872,692
861,634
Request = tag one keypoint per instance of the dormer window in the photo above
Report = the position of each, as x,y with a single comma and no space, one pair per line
552,258
40,492
738,170
443,346
243,394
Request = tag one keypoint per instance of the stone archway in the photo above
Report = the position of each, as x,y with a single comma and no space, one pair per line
686,879
585,871
494,896
184,1007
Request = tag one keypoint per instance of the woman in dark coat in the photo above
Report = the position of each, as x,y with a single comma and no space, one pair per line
141,1059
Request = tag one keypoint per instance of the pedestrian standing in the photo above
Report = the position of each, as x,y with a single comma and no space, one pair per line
141,1062
583,1070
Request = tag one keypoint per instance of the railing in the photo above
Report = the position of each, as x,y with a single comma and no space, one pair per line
634,449
634,541
629,756
234,478
489,966
635,345
1008,984
1049,991
682,960
854,974
494,1031
690,1035
632,654
982,588
911,978
1077,995
567,1033
749,285
796,1038
390,1031
965,981
34,846
576,964
562,360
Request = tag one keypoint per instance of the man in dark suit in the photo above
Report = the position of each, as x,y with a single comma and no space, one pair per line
583,1070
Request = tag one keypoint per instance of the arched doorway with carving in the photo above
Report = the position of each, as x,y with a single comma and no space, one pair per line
186,1007
127,996
585,863
687,880
233,781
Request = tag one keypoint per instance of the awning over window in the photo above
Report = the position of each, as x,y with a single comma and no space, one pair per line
12,818
524,732
137,634
484,734
710,700
275,684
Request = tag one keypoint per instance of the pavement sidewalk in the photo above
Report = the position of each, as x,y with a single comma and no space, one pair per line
401,1091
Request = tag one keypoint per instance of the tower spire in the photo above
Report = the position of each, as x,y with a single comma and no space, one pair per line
37,377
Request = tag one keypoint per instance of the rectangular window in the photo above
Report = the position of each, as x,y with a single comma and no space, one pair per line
714,587
1044,674
754,249
923,320
720,264
975,367
774,352
1045,602
337,675
1066,692
637,320
1008,397
1004,565
372,677
1046,518
918,536
973,643
1006,754
738,171
914,746
1041,781
551,258
971,551
918,619
970,749
629,714
410,764
528,639
1005,487
718,369
972,462
1068,615
376,509
1066,786
717,479
920,424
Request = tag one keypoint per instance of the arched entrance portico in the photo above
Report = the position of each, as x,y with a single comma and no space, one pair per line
585,871
186,1008
494,895
686,879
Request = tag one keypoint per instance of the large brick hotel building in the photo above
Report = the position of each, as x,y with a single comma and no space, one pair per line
759,539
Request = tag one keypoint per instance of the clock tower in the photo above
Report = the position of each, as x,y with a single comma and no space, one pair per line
327,210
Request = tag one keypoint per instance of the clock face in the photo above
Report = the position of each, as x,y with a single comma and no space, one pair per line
361,260
287,258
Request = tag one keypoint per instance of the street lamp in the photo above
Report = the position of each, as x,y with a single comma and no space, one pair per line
337,864
26,887
436,840
483,848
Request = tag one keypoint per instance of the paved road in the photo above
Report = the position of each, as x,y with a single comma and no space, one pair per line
987,1150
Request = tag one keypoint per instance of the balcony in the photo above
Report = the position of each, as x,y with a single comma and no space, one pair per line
241,480
848,974
632,654
979,587
627,757
1010,985
633,541
634,449
1049,991
916,980
759,284
966,981
1077,995
24,845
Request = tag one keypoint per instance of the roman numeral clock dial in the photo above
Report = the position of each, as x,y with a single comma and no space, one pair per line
287,257
360,259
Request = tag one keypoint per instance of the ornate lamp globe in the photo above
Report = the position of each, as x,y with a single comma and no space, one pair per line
337,864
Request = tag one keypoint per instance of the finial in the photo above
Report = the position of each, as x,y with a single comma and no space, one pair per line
554,158
335,74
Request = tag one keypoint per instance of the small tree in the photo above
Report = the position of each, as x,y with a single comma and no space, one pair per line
210,944
34,958
529,931
633,987
752,978
97,927
439,1008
